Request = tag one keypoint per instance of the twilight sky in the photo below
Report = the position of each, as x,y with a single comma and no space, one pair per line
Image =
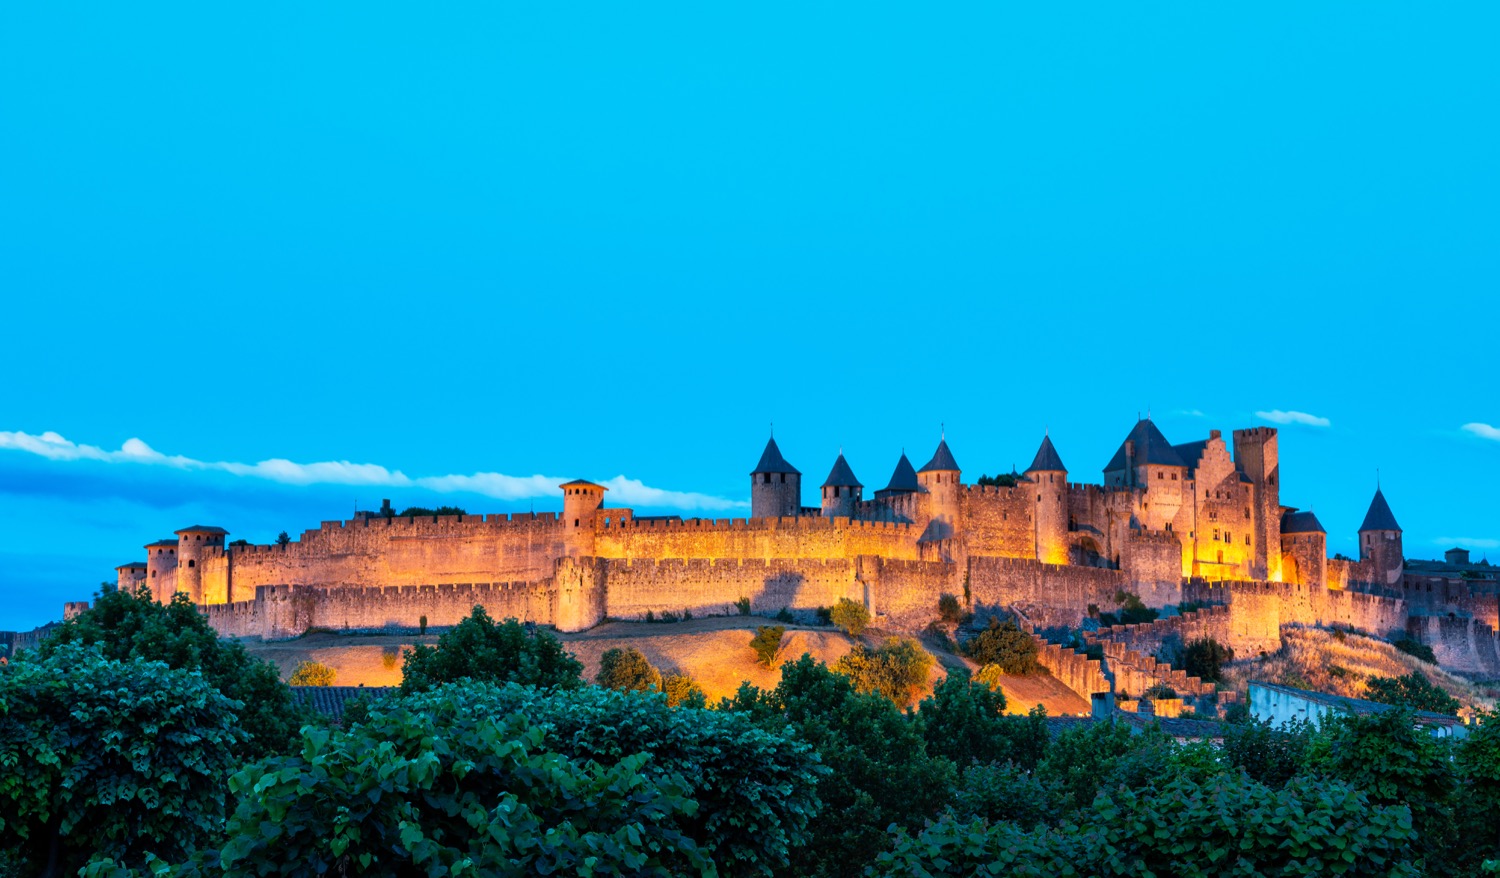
261,265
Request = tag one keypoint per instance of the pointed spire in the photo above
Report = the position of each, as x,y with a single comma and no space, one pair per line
841,476
1379,517
904,478
1047,459
942,459
771,461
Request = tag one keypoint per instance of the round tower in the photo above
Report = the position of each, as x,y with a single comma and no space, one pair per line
939,480
161,569
775,485
1049,483
192,543
1380,551
129,576
581,503
1304,549
842,492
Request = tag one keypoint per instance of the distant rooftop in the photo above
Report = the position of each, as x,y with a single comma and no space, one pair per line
330,701
1301,523
1357,706
1151,448
1379,517
201,529
942,459
841,475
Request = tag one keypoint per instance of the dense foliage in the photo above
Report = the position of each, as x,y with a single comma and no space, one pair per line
124,625
1006,645
1416,648
965,722
949,609
1132,611
766,643
1205,659
627,670
896,669
423,511
1412,690
480,649
682,691
310,673
852,616
122,759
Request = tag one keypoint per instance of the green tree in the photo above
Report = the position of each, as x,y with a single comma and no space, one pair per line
996,791
627,670
852,616
128,626
312,673
282,539
1271,755
1417,648
881,771
965,721
480,649
1205,659
1414,691
896,669
121,759
1006,645
1478,760
682,691
766,643
949,609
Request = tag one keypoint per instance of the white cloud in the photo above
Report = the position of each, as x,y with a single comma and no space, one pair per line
342,472
1483,431
1467,542
1190,413
1277,416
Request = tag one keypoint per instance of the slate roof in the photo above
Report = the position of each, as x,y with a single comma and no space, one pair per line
942,459
1379,517
330,700
1151,447
1191,452
841,475
1047,459
582,483
904,478
771,461
1294,522
201,529
161,544
133,564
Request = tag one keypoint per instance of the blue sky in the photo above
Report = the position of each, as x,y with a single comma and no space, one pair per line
613,240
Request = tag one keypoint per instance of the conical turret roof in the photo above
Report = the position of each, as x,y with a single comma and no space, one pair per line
771,461
1379,517
1151,447
904,478
1046,459
841,476
942,459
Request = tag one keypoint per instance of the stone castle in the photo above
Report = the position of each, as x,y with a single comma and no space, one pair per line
1200,522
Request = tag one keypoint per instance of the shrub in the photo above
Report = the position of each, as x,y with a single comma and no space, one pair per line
949,610
121,759
669,617
852,616
1417,648
1414,691
824,615
311,673
996,791
766,643
1205,659
628,671
784,616
129,626
1006,645
964,720
1131,612
282,539
390,657
423,511
896,669
480,649
991,676
743,606
422,625
1269,755
1160,690
682,691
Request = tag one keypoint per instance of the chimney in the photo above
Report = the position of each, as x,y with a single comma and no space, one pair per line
1103,705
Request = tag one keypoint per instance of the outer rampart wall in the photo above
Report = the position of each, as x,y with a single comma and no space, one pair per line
1461,644
709,587
1073,669
1168,636
1051,595
767,538
906,593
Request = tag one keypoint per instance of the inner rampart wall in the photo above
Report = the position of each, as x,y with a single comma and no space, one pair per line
1051,595
756,538
711,587
998,521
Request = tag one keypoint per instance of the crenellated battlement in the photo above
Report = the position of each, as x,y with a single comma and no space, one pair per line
802,523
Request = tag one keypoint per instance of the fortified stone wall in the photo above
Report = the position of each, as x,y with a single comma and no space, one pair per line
1461,644
998,521
710,587
1153,566
906,593
1051,595
1170,635
1135,673
1073,669
768,538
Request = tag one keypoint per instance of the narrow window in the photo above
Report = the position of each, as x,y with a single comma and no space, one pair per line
575,522
1161,474
1216,533
192,563
1247,539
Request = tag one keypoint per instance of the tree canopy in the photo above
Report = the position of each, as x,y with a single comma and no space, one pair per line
480,649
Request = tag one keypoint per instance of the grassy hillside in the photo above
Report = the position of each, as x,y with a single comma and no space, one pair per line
715,652
1338,662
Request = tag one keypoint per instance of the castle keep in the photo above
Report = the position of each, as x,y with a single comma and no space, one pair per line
1200,521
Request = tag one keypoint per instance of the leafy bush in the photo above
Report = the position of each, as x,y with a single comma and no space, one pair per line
1268,754
896,669
949,609
422,625
1006,645
1160,690
998,791
121,759
1205,659
628,671
784,616
766,643
134,626
1131,612
852,616
682,691
390,657
479,649
743,606
965,721
423,511
824,615
1414,647
311,673
1412,690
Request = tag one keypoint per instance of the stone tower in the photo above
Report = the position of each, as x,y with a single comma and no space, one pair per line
939,481
1380,543
581,502
161,569
775,485
1255,453
1049,482
191,545
842,492
1146,460
1304,549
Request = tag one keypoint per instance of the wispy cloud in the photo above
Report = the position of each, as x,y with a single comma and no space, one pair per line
1277,416
1190,413
1467,542
1483,431
53,446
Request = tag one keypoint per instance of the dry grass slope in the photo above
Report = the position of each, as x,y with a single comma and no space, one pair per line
1337,662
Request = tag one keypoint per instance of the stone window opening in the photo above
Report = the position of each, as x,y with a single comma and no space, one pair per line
1247,539
192,563
1174,477
783,478
153,574
1216,534
575,522
1160,474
